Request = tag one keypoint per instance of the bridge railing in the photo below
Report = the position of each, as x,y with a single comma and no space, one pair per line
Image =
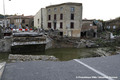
22,30
26,38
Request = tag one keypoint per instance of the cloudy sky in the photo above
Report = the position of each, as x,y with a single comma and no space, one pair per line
92,9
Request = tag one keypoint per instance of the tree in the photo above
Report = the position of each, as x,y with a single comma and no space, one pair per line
1,16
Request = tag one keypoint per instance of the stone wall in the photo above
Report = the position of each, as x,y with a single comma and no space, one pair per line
5,45
21,58
62,42
28,48
49,43
70,42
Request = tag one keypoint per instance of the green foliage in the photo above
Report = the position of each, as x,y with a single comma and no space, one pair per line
35,28
23,26
1,16
118,18
104,43
100,20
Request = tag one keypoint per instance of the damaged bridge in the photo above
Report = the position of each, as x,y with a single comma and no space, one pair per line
26,42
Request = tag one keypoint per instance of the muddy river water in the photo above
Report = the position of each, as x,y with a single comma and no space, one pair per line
63,54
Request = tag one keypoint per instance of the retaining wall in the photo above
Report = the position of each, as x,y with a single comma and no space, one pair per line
5,45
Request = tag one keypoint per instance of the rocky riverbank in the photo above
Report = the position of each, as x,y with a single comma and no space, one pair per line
69,42
21,58
106,51
5,45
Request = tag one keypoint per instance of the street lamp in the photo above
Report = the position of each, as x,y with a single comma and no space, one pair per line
4,14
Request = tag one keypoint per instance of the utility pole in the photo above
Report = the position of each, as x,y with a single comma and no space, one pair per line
4,15
4,25
41,18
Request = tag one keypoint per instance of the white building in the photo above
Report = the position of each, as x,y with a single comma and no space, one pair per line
4,23
1,23
40,19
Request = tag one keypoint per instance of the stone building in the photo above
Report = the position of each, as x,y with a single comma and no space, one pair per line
65,17
89,29
20,21
112,24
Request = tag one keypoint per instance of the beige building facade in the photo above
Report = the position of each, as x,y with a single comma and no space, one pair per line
20,21
66,17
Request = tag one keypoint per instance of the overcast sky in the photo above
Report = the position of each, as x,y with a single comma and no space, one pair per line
92,9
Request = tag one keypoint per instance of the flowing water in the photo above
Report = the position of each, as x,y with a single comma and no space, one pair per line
63,54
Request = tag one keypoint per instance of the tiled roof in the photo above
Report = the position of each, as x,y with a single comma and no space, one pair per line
20,16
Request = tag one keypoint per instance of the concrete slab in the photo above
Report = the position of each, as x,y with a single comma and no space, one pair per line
32,34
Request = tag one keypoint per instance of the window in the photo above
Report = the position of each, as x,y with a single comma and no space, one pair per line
38,21
49,17
49,25
61,25
72,25
61,33
108,27
91,25
54,25
61,8
72,9
54,16
48,10
114,27
55,9
23,21
61,16
72,16
18,20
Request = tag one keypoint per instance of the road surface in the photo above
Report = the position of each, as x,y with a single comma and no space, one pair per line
99,68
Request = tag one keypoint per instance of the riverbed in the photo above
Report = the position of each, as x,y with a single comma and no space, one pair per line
63,54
